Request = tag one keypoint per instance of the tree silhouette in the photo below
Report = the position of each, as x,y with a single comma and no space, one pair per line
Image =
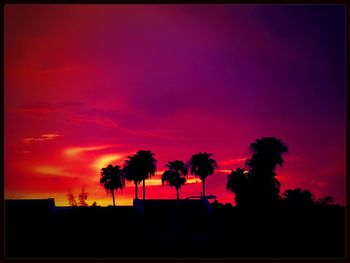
175,175
298,198
71,198
139,167
267,154
112,179
237,182
201,165
147,165
131,173
83,197
327,200
258,185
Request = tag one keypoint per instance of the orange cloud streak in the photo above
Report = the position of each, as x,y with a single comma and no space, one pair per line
50,170
77,150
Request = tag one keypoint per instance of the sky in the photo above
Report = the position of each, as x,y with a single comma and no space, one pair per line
88,85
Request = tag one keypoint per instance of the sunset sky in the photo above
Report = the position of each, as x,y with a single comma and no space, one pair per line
88,85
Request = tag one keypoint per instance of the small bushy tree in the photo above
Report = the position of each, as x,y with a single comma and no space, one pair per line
71,198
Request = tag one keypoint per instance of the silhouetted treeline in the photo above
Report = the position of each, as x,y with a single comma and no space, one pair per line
142,166
255,186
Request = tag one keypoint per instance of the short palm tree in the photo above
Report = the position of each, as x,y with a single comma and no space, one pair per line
112,179
176,175
238,183
201,165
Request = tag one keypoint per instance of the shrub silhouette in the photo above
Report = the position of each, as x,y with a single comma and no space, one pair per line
325,201
83,196
71,198
298,198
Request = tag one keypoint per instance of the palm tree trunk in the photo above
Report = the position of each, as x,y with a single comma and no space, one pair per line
113,197
136,197
143,189
203,188
177,194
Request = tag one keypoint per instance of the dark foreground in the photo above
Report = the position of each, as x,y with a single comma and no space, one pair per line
173,229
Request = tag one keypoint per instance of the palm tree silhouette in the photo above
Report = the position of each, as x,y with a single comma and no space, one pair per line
175,175
112,179
139,167
238,183
201,165
267,154
131,173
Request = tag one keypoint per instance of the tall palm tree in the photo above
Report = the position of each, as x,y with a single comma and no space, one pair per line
131,173
267,154
176,175
112,179
147,165
201,165
139,167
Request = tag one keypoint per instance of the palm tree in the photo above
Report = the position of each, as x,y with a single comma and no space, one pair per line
175,175
112,179
201,165
139,167
147,167
267,154
237,182
131,173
